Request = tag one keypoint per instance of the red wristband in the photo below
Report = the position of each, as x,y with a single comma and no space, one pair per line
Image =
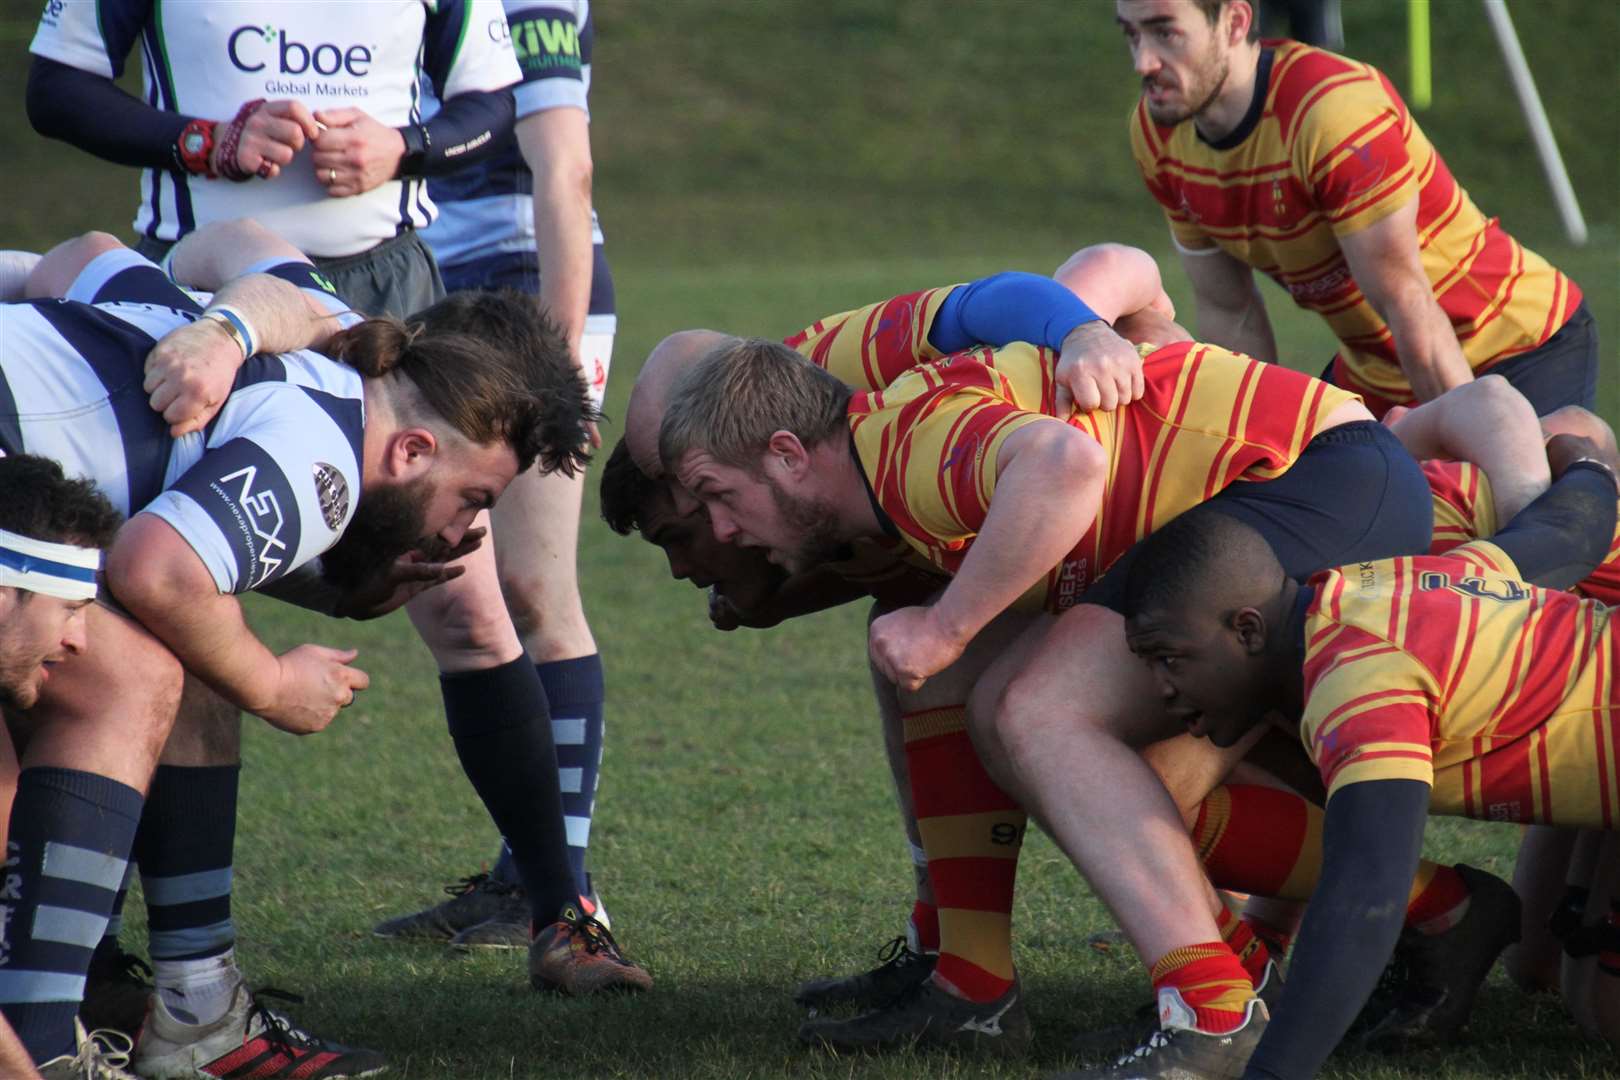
232,139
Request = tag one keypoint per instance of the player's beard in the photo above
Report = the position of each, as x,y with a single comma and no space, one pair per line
812,520
1203,85
19,671
387,523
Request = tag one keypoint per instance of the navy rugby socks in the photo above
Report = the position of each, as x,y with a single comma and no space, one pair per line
70,839
574,690
501,727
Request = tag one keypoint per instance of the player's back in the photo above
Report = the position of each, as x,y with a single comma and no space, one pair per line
1509,685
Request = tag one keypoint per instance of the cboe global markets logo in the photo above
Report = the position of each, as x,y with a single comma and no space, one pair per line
255,49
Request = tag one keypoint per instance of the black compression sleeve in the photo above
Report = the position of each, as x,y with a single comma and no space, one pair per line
1560,538
468,128
1372,839
92,113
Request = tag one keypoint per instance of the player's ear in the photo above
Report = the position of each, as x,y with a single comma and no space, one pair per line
1242,15
1250,627
785,446
411,452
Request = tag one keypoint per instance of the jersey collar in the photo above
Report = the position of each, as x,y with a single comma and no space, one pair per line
1257,106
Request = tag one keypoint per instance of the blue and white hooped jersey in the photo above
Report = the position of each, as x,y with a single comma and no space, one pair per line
205,58
487,209
270,483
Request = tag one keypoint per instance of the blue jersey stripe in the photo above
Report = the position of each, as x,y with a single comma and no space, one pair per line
10,430
116,352
347,413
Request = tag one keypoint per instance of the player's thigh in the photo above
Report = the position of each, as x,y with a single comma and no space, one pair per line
464,622
1083,672
1191,768
108,709
207,729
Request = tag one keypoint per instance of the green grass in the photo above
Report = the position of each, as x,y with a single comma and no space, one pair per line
760,165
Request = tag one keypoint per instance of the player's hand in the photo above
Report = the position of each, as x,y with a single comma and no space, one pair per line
909,646
275,132
407,577
189,372
355,153
722,613
1097,369
315,682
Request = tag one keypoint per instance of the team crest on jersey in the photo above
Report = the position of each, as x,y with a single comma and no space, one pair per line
333,493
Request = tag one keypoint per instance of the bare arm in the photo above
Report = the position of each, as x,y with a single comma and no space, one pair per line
157,576
1048,488
1116,280
556,145
1231,312
1384,260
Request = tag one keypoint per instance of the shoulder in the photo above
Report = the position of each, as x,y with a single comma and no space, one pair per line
1313,89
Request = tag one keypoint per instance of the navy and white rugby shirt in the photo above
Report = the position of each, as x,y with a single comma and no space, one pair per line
269,485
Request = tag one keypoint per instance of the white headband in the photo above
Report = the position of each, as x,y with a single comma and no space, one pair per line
60,570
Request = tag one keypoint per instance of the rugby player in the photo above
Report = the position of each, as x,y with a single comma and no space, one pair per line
65,798
522,218
428,429
1280,157
977,425
305,117
1409,681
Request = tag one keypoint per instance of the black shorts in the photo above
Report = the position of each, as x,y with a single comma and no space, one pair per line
1353,495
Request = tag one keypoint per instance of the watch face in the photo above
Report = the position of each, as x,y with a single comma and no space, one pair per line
192,142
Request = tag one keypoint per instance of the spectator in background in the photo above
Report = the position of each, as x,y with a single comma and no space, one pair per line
522,218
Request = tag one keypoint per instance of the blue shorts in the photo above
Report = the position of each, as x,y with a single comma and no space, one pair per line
1353,495
520,270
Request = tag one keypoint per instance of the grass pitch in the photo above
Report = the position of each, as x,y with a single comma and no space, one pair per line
759,165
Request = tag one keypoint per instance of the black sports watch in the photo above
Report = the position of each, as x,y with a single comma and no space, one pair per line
414,164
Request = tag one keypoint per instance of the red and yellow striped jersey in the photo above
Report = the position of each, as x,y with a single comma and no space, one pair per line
869,347
1334,151
930,441
1465,510
1446,670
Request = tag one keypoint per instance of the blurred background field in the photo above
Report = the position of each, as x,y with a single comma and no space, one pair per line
761,163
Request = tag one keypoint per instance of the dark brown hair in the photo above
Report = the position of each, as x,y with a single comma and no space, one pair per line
493,366
1212,11
625,491
37,500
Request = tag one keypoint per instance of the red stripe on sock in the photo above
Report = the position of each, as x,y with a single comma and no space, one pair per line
947,778
925,920
972,980
1266,832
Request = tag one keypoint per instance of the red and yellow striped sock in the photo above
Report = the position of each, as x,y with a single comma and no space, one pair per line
1439,899
925,924
1210,982
1268,842
972,832
1240,937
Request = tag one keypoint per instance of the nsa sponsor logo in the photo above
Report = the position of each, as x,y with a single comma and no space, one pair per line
259,516
333,492
255,48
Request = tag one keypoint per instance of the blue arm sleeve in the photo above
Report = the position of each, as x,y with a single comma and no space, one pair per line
1560,538
92,113
1372,839
1008,307
469,128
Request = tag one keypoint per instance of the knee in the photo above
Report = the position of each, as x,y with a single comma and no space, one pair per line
537,601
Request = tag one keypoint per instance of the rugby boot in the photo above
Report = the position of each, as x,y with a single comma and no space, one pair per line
117,990
510,930
1107,1044
925,1015
473,900
250,1040
900,970
577,955
1176,1050
1439,975
97,1055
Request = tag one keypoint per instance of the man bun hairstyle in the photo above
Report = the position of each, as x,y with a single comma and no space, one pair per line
39,501
732,401
493,366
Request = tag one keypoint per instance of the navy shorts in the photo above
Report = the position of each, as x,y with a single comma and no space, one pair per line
1353,495
520,270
